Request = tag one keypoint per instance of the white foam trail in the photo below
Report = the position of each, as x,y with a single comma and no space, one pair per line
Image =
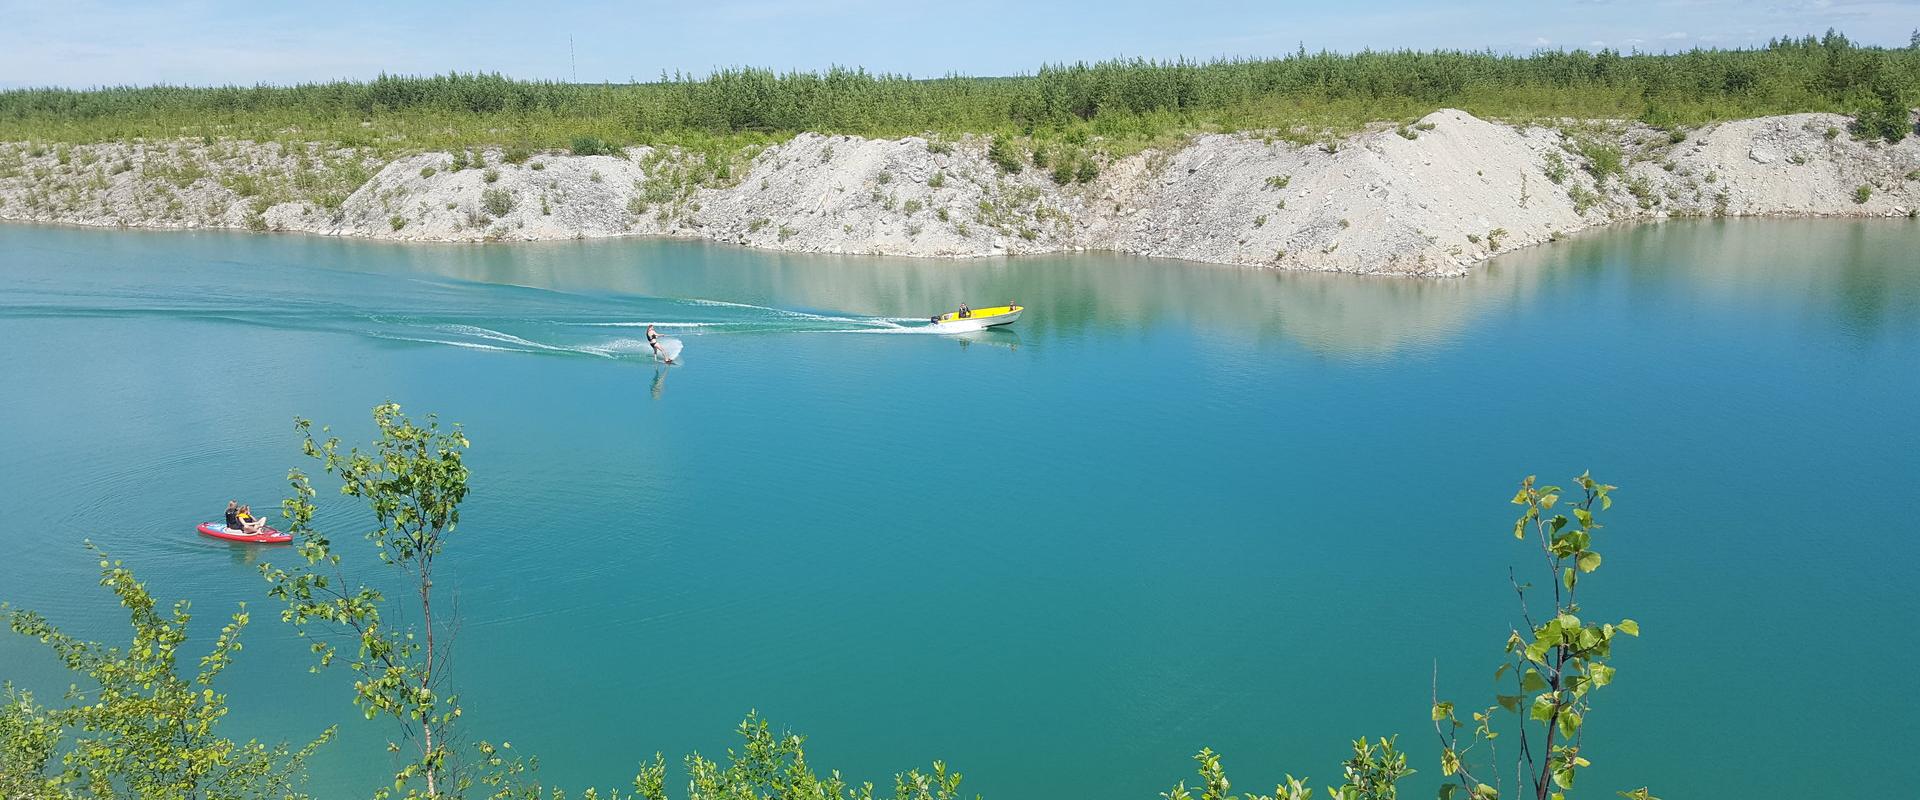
488,333
472,345
655,324
796,314
726,304
894,329
618,347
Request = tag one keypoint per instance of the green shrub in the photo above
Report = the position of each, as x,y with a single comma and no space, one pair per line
1260,220
884,178
1582,199
1004,155
426,172
1862,193
584,145
939,148
1406,132
786,233
754,225
1277,182
941,214
490,175
1556,167
1086,171
1423,126
537,166
937,180
497,202
1832,133
1642,190
911,207
517,154
1603,159
1887,117
397,221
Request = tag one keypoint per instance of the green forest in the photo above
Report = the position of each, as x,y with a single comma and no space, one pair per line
1124,102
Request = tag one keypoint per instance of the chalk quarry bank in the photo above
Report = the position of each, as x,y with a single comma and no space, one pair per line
1432,198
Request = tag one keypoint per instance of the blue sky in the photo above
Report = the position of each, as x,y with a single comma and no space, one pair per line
94,42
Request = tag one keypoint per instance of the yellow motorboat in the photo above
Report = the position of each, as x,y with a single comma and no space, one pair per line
976,319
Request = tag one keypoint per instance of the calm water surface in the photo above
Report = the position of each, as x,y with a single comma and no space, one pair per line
1176,506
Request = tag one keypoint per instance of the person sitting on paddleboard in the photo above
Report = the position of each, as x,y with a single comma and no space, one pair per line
250,523
233,516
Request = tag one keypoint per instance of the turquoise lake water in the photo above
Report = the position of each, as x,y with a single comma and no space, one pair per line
1175,506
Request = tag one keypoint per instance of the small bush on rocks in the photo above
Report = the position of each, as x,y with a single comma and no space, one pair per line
591,146
1004,155
498,202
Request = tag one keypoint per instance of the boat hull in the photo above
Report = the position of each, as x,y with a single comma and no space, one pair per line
265,536
979,321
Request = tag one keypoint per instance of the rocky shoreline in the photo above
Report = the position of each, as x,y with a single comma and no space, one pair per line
1432,198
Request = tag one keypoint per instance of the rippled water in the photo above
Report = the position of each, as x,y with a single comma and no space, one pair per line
1175,506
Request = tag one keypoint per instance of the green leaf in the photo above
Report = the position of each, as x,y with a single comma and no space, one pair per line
1446,791
1530,681
1629,627
1543,707
1510,702
1601,674
1442,711
1568,578
1589,561
1568,722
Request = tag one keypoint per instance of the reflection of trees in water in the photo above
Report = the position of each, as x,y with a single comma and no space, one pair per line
1863,274
1849,269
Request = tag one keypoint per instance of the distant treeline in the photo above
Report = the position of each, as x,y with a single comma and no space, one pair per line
1123,100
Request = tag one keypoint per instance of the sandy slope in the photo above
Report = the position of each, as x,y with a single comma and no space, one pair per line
1459,190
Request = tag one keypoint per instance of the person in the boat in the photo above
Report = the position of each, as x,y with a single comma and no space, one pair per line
233,516
965,312
250,523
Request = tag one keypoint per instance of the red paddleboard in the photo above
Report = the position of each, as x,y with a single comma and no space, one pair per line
265,536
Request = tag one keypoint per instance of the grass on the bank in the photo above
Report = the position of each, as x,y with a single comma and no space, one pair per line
1125,104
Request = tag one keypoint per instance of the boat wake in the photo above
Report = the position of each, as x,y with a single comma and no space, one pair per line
482,318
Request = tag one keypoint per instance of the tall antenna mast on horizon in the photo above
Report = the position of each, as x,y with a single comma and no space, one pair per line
572,65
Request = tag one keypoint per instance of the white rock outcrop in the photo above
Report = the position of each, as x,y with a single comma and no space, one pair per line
1432,198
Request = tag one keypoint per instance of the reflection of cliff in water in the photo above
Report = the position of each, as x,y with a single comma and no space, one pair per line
1855,267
